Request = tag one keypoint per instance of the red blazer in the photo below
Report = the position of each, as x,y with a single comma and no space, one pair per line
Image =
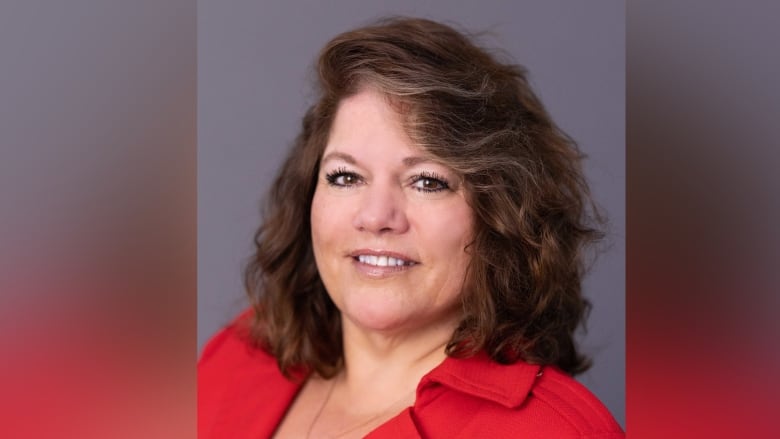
242,394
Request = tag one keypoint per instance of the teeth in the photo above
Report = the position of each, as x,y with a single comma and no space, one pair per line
382,261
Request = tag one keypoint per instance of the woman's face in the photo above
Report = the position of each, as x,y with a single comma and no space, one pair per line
389,225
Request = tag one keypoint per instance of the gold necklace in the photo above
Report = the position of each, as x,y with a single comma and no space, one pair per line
353,427
322,407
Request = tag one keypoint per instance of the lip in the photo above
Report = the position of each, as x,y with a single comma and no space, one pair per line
390,254
379,272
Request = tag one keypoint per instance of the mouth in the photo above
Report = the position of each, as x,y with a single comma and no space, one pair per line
383,259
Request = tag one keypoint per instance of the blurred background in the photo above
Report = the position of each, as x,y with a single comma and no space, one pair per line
703,208
98,221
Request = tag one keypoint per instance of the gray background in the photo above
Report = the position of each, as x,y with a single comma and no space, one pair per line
254,82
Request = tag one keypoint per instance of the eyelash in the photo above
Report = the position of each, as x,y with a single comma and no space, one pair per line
333,178
437,179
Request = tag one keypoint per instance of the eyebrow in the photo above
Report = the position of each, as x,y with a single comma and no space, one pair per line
411,161
339,156
408,161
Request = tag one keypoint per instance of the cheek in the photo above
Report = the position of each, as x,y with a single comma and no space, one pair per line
445,233
329,225
319,221
462,227
457,258
448,234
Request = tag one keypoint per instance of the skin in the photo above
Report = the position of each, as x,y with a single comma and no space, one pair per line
378,194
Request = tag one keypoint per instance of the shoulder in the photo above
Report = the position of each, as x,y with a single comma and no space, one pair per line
231,345
476,397
558,396
239,386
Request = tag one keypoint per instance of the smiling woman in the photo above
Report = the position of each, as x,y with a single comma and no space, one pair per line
418,271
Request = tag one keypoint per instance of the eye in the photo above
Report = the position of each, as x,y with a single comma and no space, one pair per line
429,182
343,178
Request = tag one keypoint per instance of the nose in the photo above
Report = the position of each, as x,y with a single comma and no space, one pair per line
382,210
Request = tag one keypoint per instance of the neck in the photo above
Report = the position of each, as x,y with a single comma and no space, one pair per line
380,376
391,363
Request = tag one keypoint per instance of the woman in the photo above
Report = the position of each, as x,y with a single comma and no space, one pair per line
418,270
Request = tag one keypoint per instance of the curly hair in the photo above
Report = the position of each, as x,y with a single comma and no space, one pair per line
533,212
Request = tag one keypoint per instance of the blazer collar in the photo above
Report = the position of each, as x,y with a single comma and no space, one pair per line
508,385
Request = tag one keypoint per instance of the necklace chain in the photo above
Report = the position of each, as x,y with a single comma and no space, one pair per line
321,408
352,427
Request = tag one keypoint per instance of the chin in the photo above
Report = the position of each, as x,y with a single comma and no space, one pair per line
377,315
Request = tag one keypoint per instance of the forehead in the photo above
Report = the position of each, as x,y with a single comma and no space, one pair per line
367,122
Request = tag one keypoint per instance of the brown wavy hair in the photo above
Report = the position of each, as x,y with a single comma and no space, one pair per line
533,214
